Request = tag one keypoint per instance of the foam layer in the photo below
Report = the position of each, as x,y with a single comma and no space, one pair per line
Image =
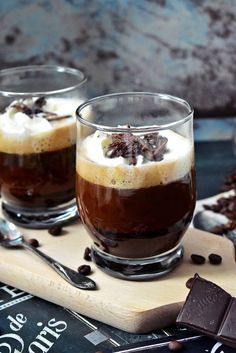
22,134
93,166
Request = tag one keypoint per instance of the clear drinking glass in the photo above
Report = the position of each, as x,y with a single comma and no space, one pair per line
37,143
135,180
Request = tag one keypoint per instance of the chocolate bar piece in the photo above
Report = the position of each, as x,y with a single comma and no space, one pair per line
209,310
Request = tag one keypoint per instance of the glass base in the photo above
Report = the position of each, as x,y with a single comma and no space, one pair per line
137,269
41,219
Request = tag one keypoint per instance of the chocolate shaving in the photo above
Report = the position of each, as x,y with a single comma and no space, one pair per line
40,102
151,146
57,117
36,108
21,107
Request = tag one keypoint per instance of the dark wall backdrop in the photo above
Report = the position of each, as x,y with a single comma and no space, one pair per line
182,47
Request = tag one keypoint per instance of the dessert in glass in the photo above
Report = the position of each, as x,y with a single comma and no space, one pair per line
135,181
37,143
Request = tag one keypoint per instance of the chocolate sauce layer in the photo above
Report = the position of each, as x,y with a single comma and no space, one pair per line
38,180
139,222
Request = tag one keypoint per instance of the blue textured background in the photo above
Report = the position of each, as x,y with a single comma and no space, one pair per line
182,47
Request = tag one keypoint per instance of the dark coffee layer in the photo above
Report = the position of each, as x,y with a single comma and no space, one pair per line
38,180
137,223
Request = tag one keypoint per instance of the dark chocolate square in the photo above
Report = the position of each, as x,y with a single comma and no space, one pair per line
205,307
228,329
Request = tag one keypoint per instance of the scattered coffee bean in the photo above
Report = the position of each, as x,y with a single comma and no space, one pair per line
55,230
189,282
198,259
227,207
34,243
215,259
175,346
84,270
87,254
230,181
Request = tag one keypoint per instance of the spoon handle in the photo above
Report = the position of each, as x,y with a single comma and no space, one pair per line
74,278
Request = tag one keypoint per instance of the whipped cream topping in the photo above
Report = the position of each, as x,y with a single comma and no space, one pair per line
18,123
21,132
94,166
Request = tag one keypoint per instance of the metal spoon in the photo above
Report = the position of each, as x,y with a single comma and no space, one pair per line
10,236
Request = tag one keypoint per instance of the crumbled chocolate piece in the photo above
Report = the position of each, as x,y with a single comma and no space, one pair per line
55,230
40,102
84,270
36,107
175,346
198,259
151,146
28,110
87,254
33,242
215,259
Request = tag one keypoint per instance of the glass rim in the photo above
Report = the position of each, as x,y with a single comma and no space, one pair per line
143,129
53,68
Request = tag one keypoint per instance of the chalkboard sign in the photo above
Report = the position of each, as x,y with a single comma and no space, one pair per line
31,325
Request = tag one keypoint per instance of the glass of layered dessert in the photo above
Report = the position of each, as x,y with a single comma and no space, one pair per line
135,181
37,143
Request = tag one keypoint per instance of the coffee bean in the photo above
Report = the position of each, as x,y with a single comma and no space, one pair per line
55,230
34,243
215,259
175,346
198,259
87,254
84,270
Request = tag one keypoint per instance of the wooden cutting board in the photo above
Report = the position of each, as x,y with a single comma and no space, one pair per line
132,306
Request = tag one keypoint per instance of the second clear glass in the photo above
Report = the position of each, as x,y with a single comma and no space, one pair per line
37,143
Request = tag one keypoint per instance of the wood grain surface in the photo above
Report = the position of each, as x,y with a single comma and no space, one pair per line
129,305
